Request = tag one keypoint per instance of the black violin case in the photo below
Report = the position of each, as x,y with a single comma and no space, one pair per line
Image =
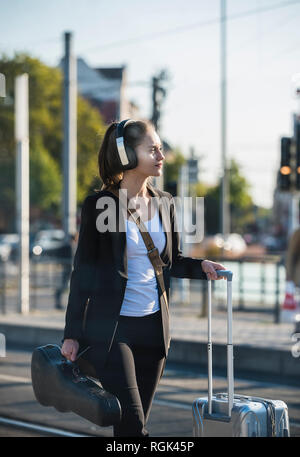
60,383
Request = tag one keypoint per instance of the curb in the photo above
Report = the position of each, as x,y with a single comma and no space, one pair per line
30,335
257,360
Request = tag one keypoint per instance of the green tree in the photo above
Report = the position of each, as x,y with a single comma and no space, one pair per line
241,204
172,165
45,188
46,137
90,131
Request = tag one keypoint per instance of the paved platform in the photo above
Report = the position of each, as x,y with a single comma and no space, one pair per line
260,345
255,329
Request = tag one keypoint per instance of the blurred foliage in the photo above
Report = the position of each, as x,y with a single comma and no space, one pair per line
172,165
241,204
46,136
44,171
243,211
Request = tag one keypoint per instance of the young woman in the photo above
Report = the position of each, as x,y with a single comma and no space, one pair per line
116,304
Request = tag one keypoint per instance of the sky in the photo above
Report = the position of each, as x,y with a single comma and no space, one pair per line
183,37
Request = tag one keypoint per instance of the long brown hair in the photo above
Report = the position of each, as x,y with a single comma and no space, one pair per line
110,170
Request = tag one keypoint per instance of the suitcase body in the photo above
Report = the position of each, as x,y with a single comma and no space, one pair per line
228,414
250,417
59,383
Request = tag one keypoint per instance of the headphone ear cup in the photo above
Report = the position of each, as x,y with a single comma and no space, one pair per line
132,158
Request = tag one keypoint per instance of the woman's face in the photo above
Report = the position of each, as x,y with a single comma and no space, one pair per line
150,155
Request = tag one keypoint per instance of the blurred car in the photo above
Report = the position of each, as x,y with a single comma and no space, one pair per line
9,246
9,243
43,243
233,246
4,252
273,243
48,243
234,243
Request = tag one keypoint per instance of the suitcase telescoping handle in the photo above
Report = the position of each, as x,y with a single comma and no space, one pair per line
230,391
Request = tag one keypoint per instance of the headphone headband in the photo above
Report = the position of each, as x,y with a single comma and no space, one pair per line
120,140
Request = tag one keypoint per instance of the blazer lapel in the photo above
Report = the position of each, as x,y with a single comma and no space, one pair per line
119,244
164,214
123,270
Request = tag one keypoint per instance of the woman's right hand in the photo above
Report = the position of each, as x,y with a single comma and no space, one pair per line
69,349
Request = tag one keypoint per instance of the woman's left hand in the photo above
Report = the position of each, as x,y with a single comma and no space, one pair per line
209,267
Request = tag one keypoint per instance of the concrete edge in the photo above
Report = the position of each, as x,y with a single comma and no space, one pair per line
30,335
277,362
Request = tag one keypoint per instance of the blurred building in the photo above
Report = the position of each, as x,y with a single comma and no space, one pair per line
281,212
105,89
193,163
281,206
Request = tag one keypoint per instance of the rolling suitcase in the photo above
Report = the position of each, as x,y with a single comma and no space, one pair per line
228,414
59,383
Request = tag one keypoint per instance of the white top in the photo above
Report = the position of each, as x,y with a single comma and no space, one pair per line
141,295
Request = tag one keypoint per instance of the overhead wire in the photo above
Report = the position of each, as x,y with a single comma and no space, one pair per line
189,27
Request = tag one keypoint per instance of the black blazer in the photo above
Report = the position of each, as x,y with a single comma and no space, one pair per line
99,275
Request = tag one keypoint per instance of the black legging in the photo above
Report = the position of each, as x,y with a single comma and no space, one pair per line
133,370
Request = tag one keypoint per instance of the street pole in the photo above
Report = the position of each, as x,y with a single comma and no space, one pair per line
22,187
184,192
293,213
2,85
225,209
69,201
155,105
158,94
293,222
